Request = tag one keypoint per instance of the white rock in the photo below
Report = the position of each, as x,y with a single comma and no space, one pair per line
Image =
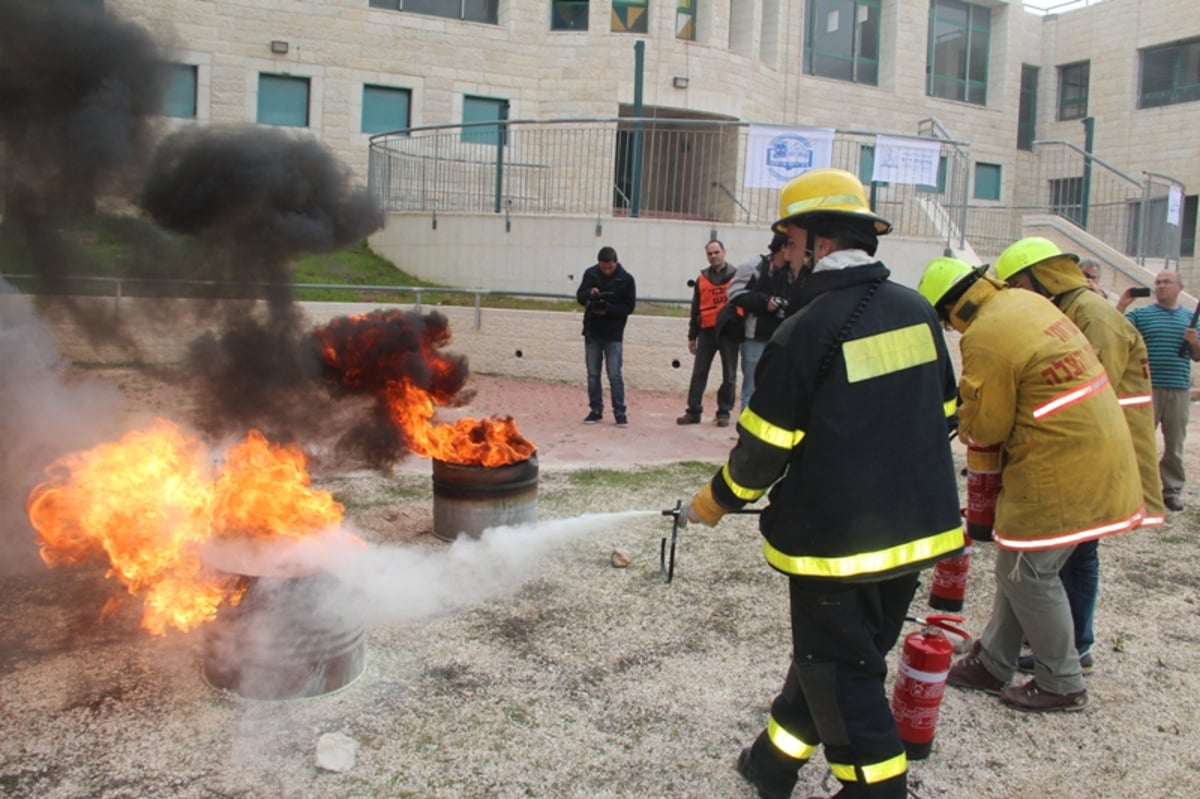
336,752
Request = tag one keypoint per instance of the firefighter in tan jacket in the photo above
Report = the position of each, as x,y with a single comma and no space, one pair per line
1037,264
1032,383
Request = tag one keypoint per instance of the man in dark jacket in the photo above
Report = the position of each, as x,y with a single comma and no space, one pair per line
608,295
761,288
848,429
711,332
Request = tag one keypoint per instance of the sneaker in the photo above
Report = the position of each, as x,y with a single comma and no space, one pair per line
622,421
1030,697
688,418
1086,664
761,787
1173,503
722,421
593,417
969,672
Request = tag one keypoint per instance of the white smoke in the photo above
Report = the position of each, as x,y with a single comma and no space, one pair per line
42,416
387,583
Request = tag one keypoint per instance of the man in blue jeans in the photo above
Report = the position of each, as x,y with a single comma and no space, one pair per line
608,295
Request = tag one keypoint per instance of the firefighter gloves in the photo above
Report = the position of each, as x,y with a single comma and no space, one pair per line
704,508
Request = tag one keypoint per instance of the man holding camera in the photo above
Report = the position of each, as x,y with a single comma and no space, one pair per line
760,288
1172,345
608,295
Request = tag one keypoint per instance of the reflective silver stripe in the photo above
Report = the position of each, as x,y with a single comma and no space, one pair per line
1093,386
885,353
1068,539
787,743
740,491
1136,399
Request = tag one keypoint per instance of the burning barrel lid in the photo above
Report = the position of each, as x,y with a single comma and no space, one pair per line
297,630
469,498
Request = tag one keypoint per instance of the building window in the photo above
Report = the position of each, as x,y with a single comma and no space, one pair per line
987,181
569,15
630,16
956,63
470,10
283,100
1027,108
685,20
1170,74
842,40
1187,234
1073,90
179,100
385,109
483,109
1066,198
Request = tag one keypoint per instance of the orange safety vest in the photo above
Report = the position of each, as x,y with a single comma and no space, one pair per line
713,297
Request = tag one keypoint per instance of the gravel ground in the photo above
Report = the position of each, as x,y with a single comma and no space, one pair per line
526,665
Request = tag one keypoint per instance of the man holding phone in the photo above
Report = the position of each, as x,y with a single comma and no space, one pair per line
1172,344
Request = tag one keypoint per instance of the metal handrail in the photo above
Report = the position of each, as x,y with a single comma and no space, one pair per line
119,292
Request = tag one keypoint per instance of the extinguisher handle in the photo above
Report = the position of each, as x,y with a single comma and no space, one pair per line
943,621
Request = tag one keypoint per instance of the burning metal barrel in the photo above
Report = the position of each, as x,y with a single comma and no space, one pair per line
288,637
470,499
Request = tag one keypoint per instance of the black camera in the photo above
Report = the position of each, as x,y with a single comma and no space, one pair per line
599,301
781,306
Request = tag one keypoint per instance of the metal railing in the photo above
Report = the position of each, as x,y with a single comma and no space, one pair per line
689,169
121,288
1129,215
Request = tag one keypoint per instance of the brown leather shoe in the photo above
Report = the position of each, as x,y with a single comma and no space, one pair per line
969,672
722,421
1031,698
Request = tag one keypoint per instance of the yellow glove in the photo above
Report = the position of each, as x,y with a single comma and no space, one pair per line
704,508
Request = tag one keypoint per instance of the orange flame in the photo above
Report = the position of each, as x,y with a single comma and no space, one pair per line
491,442
147,501
398,357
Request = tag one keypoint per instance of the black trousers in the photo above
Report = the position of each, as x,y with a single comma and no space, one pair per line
834,692
709,344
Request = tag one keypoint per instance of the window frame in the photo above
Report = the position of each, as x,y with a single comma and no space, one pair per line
685,20
174,70
569,21
997,180
814,54
977,31
1027,107
620,19
282,79
483,134
380,90
1073,105
484,11
1177,92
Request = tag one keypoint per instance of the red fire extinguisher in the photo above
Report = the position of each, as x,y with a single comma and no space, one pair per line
921,680
983,486
949,584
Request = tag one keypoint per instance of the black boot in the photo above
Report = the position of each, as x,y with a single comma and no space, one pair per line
772,773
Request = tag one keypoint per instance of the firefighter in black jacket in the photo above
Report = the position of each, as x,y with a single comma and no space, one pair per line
848,428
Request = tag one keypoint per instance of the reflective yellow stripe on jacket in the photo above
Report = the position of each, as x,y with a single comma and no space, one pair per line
891,351
868,562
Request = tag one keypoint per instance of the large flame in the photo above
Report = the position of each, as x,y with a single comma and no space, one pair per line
398,357
148,501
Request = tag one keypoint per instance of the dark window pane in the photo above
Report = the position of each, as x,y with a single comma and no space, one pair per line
179,99
384,109
480,10
283,100
569,15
